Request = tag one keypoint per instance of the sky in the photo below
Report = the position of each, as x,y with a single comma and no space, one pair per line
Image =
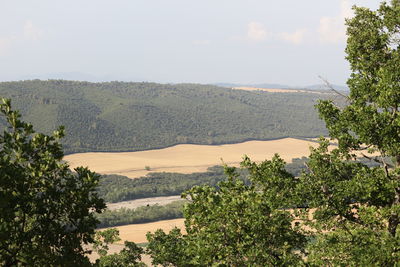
287,42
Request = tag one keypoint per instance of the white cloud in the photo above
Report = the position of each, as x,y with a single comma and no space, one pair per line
31,32
256,31
5,44
296,37
332,29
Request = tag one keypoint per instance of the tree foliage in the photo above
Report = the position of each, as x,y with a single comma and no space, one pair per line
235,224
46,210
129,256
103,239
357,210
168,249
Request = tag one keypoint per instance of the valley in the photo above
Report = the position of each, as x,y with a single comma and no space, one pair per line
200,133
181,159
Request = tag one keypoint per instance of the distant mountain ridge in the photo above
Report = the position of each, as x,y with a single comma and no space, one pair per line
83,77
76,76
122,116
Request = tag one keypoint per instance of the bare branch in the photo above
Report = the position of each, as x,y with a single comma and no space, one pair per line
380,161
308,168
385,164
327,84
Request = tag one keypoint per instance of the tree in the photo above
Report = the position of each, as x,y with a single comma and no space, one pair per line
235,224
357,209
46,210
103,239
130,255
168,249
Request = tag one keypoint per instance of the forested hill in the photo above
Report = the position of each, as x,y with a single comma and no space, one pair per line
121,116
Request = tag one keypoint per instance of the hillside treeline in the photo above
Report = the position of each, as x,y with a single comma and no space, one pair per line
115,188
142,214
122,116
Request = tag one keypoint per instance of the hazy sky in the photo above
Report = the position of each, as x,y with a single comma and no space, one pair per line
203,41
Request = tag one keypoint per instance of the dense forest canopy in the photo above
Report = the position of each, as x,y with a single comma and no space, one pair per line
121,116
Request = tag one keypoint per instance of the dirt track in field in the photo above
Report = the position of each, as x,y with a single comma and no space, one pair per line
133,204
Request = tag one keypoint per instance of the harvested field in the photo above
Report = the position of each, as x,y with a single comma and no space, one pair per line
137,232
276,90
188,158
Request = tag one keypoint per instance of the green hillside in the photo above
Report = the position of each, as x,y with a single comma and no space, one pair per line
121,116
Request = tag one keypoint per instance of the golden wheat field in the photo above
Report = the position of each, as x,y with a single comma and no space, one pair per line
137,232
188,158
